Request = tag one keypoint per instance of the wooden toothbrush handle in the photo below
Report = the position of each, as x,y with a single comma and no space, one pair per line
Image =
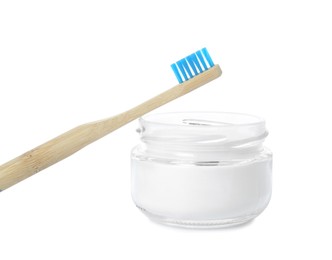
75,139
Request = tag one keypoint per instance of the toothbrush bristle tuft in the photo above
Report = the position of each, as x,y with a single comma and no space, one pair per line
192,65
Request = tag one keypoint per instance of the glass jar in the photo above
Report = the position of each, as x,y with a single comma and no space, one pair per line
201,169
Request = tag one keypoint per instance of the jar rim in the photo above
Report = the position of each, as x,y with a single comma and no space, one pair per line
209,119
202,130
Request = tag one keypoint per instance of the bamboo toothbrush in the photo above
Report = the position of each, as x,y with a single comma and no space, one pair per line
192,72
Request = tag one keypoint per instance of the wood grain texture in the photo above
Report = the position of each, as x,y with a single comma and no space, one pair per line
75,139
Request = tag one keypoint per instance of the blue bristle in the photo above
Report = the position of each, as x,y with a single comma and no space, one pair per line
194,58
180,65
185,65
201,59
176,72
207,56
192,65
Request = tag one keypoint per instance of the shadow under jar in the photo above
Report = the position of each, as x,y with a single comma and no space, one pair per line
201,169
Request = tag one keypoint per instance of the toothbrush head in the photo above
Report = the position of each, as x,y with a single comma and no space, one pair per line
192,65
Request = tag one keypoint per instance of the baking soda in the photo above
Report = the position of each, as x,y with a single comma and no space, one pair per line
190,192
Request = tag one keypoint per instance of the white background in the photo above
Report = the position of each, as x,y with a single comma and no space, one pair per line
63,63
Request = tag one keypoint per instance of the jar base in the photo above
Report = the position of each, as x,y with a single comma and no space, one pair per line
198,224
